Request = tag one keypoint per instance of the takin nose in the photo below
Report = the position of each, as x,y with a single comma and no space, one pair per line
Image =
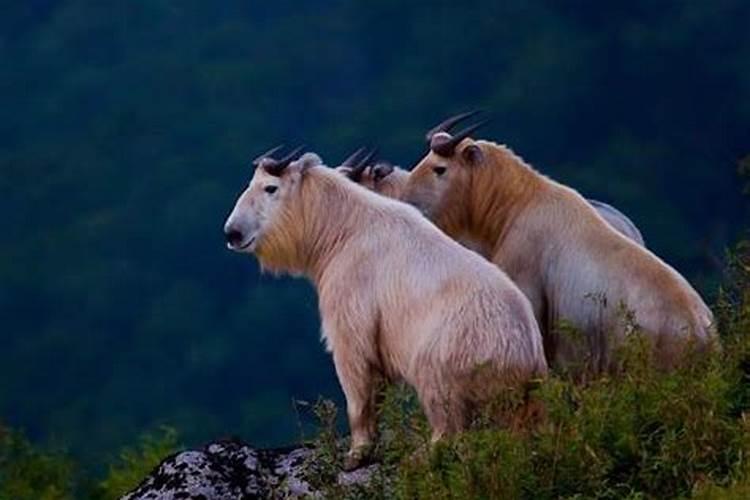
233,236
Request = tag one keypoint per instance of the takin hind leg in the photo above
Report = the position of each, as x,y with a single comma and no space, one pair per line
445,409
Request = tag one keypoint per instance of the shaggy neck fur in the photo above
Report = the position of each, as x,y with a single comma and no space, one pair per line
314,224
501,188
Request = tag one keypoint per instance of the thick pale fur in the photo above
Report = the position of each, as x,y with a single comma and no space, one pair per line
398,299
393,185
573,266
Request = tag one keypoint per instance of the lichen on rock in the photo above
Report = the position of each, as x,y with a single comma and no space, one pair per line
232,470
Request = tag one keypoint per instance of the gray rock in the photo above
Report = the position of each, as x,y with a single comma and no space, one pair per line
226,470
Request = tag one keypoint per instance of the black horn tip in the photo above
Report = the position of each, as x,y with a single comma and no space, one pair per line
445,145
356,170
470,130
295,153
352,159
256,162
446,124
276,167
367,160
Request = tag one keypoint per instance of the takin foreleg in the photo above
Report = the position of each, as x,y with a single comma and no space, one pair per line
359,383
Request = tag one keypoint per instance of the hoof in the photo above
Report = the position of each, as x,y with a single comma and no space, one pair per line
352,460
357,457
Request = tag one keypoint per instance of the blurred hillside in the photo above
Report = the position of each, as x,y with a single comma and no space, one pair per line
126,130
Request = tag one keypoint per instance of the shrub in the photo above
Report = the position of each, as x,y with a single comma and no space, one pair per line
28,473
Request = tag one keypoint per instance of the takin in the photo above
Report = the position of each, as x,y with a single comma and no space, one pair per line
589,285
398,299
389,180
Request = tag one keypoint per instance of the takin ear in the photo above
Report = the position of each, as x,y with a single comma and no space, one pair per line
308,160
472,154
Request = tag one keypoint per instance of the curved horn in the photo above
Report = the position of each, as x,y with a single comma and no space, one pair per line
445,125
356,170
350,161
368,159
276,167
446,145
267,154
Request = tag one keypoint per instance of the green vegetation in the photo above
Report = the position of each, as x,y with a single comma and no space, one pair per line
643,434
30,473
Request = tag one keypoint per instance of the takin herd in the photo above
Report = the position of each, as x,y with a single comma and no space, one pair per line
466,277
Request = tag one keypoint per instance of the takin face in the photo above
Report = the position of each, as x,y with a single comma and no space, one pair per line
440,184
261,207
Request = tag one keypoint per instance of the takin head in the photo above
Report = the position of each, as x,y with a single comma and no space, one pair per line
439,184
382,177
261,206
387,179
355,165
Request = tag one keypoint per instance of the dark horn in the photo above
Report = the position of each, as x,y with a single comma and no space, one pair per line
368,159
357,170
268,154
350,161
285,161
446,125
448,147
276,167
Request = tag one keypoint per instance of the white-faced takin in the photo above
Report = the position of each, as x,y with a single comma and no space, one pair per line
576,269
398,299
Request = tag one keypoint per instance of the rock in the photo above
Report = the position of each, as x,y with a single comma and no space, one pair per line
231,469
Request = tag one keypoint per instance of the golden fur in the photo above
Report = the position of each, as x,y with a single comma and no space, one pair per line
394,183
573,266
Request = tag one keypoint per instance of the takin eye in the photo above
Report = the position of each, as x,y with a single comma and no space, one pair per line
439,170
270,189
